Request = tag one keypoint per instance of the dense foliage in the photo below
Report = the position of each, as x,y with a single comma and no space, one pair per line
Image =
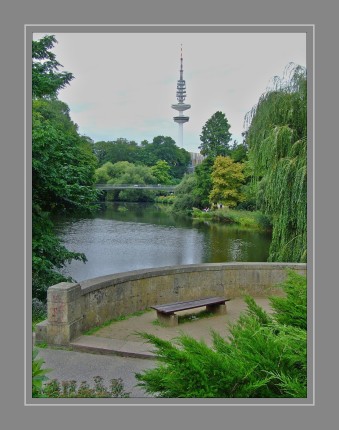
264,357
210,183
39,373
272,159
203,176
243,218
161,172
124,172
162,148
227,178
63,167
277,140
186,197
46,79
215,136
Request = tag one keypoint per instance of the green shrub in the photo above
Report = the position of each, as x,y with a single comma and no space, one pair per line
292,309
265,356
70,389
39,311
38,374
169,199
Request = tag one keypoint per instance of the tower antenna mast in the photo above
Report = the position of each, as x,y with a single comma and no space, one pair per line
181,106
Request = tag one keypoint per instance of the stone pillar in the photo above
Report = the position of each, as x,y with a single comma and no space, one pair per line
63,313
220,309
169,320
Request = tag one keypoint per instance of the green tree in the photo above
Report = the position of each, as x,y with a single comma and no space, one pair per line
215,136
164,148
124,172
277,139
115,151
46,80
238,152
63,169
102,151
227,178
62,165
102,174
185,196
161,171
204,181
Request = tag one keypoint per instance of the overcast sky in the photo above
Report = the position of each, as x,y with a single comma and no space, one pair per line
125,84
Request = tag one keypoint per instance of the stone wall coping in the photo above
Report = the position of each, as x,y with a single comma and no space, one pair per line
100,282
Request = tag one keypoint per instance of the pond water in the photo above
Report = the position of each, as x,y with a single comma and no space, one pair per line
127,236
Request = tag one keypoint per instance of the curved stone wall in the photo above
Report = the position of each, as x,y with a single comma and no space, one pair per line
74,308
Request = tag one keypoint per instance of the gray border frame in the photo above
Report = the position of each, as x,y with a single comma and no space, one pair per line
309,30
323,15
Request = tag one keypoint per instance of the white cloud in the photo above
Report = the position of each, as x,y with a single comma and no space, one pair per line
125,83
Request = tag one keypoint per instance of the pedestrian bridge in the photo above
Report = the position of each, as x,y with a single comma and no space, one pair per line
155,187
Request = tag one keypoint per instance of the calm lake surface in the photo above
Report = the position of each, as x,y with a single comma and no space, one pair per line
128,236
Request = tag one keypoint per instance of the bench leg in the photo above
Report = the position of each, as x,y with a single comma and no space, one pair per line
169,320
217,309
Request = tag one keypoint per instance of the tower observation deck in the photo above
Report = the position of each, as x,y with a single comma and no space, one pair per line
181,106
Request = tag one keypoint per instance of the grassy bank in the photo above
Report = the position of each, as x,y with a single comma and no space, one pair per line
230,216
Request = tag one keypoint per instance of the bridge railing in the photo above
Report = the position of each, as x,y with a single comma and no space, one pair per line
159,187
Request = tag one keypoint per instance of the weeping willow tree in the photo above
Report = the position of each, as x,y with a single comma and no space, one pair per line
277,139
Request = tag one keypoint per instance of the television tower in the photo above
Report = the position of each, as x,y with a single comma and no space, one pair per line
181,106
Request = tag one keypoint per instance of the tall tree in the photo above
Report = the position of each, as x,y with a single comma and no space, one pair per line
277,139
161,171
203,176
215,136
63,167
46,80
227,178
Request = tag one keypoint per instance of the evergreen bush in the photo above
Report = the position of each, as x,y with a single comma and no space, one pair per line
265,355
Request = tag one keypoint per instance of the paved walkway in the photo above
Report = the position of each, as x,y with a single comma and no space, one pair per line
79,366
118,351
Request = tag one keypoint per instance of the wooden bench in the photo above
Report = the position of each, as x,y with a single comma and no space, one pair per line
166,315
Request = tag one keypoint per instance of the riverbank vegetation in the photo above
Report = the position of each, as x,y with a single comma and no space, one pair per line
162,148
247,219
265,355
266,173
277,139
63,167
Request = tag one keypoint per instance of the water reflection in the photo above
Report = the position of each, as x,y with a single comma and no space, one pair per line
135,236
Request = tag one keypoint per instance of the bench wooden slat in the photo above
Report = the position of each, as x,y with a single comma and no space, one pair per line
169,308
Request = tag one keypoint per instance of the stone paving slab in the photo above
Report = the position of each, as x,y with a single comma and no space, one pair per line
101,345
